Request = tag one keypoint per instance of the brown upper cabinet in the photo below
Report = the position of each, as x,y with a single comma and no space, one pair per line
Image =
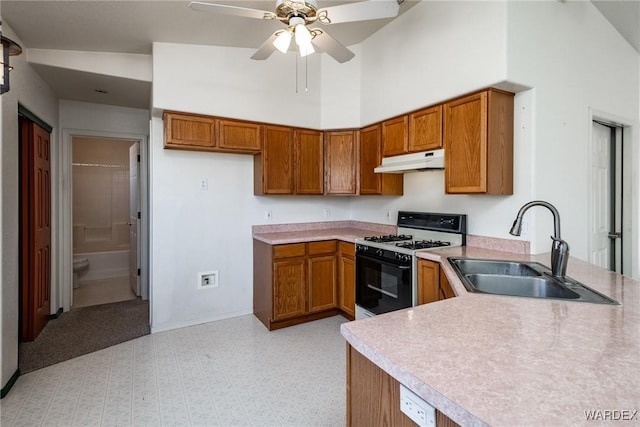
395,136
478,143
204,133
425,129
309,162
273,167
370,157
341,162
235,135
189,132
291,162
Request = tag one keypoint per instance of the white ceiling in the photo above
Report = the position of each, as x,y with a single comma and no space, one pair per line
132,26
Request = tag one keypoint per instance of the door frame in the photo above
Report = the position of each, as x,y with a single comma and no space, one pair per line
64,209
630,190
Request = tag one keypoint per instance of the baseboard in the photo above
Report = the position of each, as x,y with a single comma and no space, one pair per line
10,383
56,314
177,325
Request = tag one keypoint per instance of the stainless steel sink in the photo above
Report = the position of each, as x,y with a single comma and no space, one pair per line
520,286
522,279
502,268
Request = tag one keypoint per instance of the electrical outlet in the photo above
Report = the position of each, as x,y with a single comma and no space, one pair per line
267,215
208,279
389,214
416,408
327,212
204,184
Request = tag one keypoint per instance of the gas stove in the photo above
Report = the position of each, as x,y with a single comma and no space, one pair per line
386,266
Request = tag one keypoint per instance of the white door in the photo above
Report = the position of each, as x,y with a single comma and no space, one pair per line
134,220
606,198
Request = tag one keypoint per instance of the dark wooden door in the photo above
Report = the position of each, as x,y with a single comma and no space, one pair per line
35,229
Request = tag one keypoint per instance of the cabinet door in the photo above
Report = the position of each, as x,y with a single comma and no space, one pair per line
395,136
347,279
370,158
341,154
446,291
309,170
289,288
187,131
239,136
277,160
425,129
428,281
322,282
465,144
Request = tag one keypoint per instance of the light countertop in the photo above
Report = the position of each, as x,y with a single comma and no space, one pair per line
347,231
504,361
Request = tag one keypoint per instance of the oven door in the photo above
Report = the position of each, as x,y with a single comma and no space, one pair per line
383,285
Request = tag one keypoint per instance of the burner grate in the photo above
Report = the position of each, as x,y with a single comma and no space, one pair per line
389,238
423,244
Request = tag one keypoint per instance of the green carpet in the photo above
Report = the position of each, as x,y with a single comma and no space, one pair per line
85,330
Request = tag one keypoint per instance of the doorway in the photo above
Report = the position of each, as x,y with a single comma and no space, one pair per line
105,211
609,210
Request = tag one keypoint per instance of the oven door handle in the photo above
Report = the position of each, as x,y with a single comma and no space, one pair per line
382,291
385,262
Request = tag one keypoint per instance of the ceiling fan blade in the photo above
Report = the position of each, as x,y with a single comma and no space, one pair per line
231,10
266,49
359,11
331,46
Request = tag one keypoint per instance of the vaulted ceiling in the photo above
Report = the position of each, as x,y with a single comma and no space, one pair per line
132,26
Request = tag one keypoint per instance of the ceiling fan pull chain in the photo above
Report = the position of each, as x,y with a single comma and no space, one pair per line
296,73
306,73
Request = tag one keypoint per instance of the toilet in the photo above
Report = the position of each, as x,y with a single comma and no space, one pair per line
80,265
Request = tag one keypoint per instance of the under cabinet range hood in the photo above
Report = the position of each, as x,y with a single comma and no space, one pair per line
412,162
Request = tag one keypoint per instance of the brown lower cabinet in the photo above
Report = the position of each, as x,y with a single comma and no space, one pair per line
299,282
347,279
432,282
373,396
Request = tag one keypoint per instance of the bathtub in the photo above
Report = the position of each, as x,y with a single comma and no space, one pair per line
104,265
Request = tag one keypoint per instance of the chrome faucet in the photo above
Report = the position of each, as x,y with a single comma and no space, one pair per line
559,248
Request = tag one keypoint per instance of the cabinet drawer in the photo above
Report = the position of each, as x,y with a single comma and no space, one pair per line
324,247
288,251
347,249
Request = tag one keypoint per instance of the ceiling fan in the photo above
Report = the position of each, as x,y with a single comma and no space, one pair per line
298,14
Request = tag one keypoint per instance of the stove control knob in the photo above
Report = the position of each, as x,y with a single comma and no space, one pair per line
406,258
379,252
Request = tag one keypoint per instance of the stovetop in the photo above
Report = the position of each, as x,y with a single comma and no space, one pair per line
421,231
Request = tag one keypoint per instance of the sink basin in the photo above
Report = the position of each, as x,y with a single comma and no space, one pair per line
521,279
503,268
520,286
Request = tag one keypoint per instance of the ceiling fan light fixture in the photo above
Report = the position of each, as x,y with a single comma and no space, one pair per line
283,41
303,40
306,49
303,36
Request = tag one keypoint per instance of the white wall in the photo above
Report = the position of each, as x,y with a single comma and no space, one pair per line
28,89
437,51
195,230
222,81
576,61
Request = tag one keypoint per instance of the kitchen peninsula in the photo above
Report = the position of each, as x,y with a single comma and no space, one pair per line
499,360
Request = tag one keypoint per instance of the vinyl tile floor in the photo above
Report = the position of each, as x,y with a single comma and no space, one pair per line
231,372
